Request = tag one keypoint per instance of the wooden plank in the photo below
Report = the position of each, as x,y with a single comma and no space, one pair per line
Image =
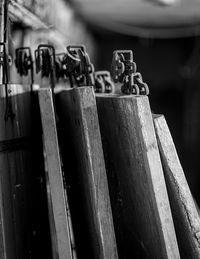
59,224
78,114
145,223
184,211
14,151
24,230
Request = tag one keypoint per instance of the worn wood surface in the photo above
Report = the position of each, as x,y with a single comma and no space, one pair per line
185,214
141,211
77,113
23,223
14,186
15,183
60,232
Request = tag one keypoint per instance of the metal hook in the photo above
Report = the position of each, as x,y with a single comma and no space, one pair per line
84,70
123,70
45,62
122,65
4,62
103,82
24,63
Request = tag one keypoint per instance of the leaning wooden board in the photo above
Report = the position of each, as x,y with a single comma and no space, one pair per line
185,214
59,220
15,184
78,114
23,222
132,157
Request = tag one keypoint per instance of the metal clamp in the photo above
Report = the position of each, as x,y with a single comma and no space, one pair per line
60,67
4,63
79,65
123,70
24,62
143,87
122,65
129,87
45,62
103,82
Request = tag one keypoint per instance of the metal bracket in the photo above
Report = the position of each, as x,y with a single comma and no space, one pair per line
24,63
103,82
4,63
123,70
79,65
45,62
122,65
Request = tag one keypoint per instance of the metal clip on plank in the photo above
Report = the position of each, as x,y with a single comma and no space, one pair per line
79,66
24,63
75,64
70,67
45,62
123,70
4,63
103,82
60,69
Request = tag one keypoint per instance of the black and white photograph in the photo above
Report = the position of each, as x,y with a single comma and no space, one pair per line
99,129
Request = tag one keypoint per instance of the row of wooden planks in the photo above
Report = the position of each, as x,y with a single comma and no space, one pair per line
98,174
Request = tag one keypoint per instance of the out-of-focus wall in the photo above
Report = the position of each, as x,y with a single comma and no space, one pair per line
63,28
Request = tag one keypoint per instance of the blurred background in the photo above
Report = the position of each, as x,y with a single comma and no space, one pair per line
164,36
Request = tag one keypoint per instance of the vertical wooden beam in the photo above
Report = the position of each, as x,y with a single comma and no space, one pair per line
15,174
23,212
59,224
132,157
185,214
77,111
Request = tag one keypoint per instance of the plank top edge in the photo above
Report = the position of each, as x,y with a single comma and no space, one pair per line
17,89
45,89
99,95
64,89
121,96
157,116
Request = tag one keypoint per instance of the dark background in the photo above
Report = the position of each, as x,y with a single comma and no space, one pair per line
170,67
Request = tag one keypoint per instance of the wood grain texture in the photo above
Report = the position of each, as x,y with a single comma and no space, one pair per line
24,230
15,173
59,224
77,111
185,214
132,157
